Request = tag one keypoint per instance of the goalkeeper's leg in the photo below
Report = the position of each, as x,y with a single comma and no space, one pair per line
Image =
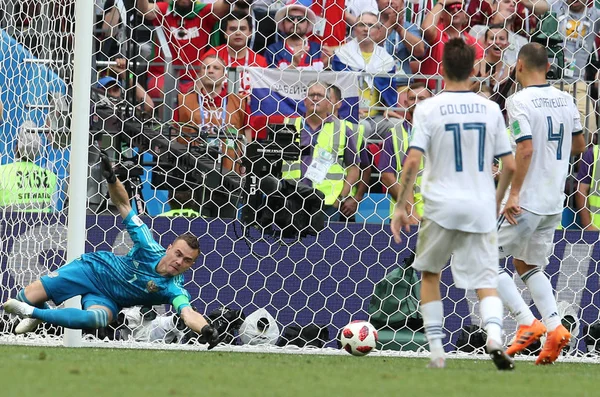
30,324
92,318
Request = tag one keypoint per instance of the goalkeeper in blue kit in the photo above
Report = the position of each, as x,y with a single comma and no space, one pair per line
147,275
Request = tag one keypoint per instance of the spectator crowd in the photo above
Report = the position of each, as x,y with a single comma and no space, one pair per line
395,46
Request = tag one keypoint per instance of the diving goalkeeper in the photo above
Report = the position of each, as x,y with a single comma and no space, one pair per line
147,275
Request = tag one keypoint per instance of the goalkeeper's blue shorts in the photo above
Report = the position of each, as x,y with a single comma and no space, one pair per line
73,280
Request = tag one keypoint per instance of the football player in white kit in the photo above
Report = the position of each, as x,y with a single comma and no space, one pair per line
460,133
545,125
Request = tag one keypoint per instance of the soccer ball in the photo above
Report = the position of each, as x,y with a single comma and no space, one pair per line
358,338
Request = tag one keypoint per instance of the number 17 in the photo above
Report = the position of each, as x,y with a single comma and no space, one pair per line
455,128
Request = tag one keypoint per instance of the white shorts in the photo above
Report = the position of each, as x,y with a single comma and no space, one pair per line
474,255
530,240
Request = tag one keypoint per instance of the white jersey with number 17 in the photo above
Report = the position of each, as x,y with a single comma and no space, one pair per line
548,117
460,133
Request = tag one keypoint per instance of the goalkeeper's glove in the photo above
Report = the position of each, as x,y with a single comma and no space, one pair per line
211,335
107,168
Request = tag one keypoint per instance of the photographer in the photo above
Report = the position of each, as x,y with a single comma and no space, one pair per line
208,105
329,159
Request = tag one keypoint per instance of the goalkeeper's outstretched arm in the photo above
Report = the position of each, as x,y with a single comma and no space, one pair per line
196,322
116,190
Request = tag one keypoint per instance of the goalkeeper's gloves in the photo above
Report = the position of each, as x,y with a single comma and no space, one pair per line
107,168
211,335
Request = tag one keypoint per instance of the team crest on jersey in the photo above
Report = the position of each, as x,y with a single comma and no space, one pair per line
53,275
151,286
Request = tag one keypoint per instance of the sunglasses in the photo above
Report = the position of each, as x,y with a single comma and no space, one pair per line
296,18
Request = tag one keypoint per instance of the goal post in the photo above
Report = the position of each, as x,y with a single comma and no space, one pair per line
80,126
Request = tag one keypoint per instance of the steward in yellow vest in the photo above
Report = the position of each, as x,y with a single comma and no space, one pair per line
24,185
394,151
331,138
181,212
588,191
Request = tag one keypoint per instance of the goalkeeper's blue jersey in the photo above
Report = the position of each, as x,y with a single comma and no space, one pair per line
132,279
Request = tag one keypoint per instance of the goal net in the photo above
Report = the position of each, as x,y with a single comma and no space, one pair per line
200,105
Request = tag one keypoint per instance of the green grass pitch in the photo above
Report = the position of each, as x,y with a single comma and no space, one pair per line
61,372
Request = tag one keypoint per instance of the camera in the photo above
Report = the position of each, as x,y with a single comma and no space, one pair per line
277,206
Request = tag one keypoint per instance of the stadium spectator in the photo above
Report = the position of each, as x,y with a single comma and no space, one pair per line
329,30
362,54
494,70
504,15
587,197
114,88
356,7
265,29
209,105
404,40
182,203
394,151
187,26
147,275
237,28
446,20
331,164
115,34
350,206
295,22
579,25
24,185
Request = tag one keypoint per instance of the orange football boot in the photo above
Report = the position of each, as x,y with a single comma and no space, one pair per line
555,342
526,335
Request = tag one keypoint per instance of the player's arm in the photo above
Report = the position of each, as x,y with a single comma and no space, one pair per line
149,10
578,145
197,323
410,170
508,170
523,157
116,190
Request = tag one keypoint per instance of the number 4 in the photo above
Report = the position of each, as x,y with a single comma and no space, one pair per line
455,128
556,137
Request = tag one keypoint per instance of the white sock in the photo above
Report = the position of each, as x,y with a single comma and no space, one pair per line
543,297
433,319
491,313
510,295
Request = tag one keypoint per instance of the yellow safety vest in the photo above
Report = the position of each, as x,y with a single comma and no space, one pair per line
594,195
418,196
332,140
359,141
26,187
181,212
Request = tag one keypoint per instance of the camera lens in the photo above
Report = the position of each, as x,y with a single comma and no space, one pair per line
181,33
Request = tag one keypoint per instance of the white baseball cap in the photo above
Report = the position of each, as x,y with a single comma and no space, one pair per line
28,141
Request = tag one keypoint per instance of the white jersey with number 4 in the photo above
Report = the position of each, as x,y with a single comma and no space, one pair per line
548,117
460,133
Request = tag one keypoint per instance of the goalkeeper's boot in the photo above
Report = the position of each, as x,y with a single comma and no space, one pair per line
526,335
21,309
502,360
27,325
555,343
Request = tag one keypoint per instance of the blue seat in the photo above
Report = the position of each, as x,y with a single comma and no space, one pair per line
374,208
